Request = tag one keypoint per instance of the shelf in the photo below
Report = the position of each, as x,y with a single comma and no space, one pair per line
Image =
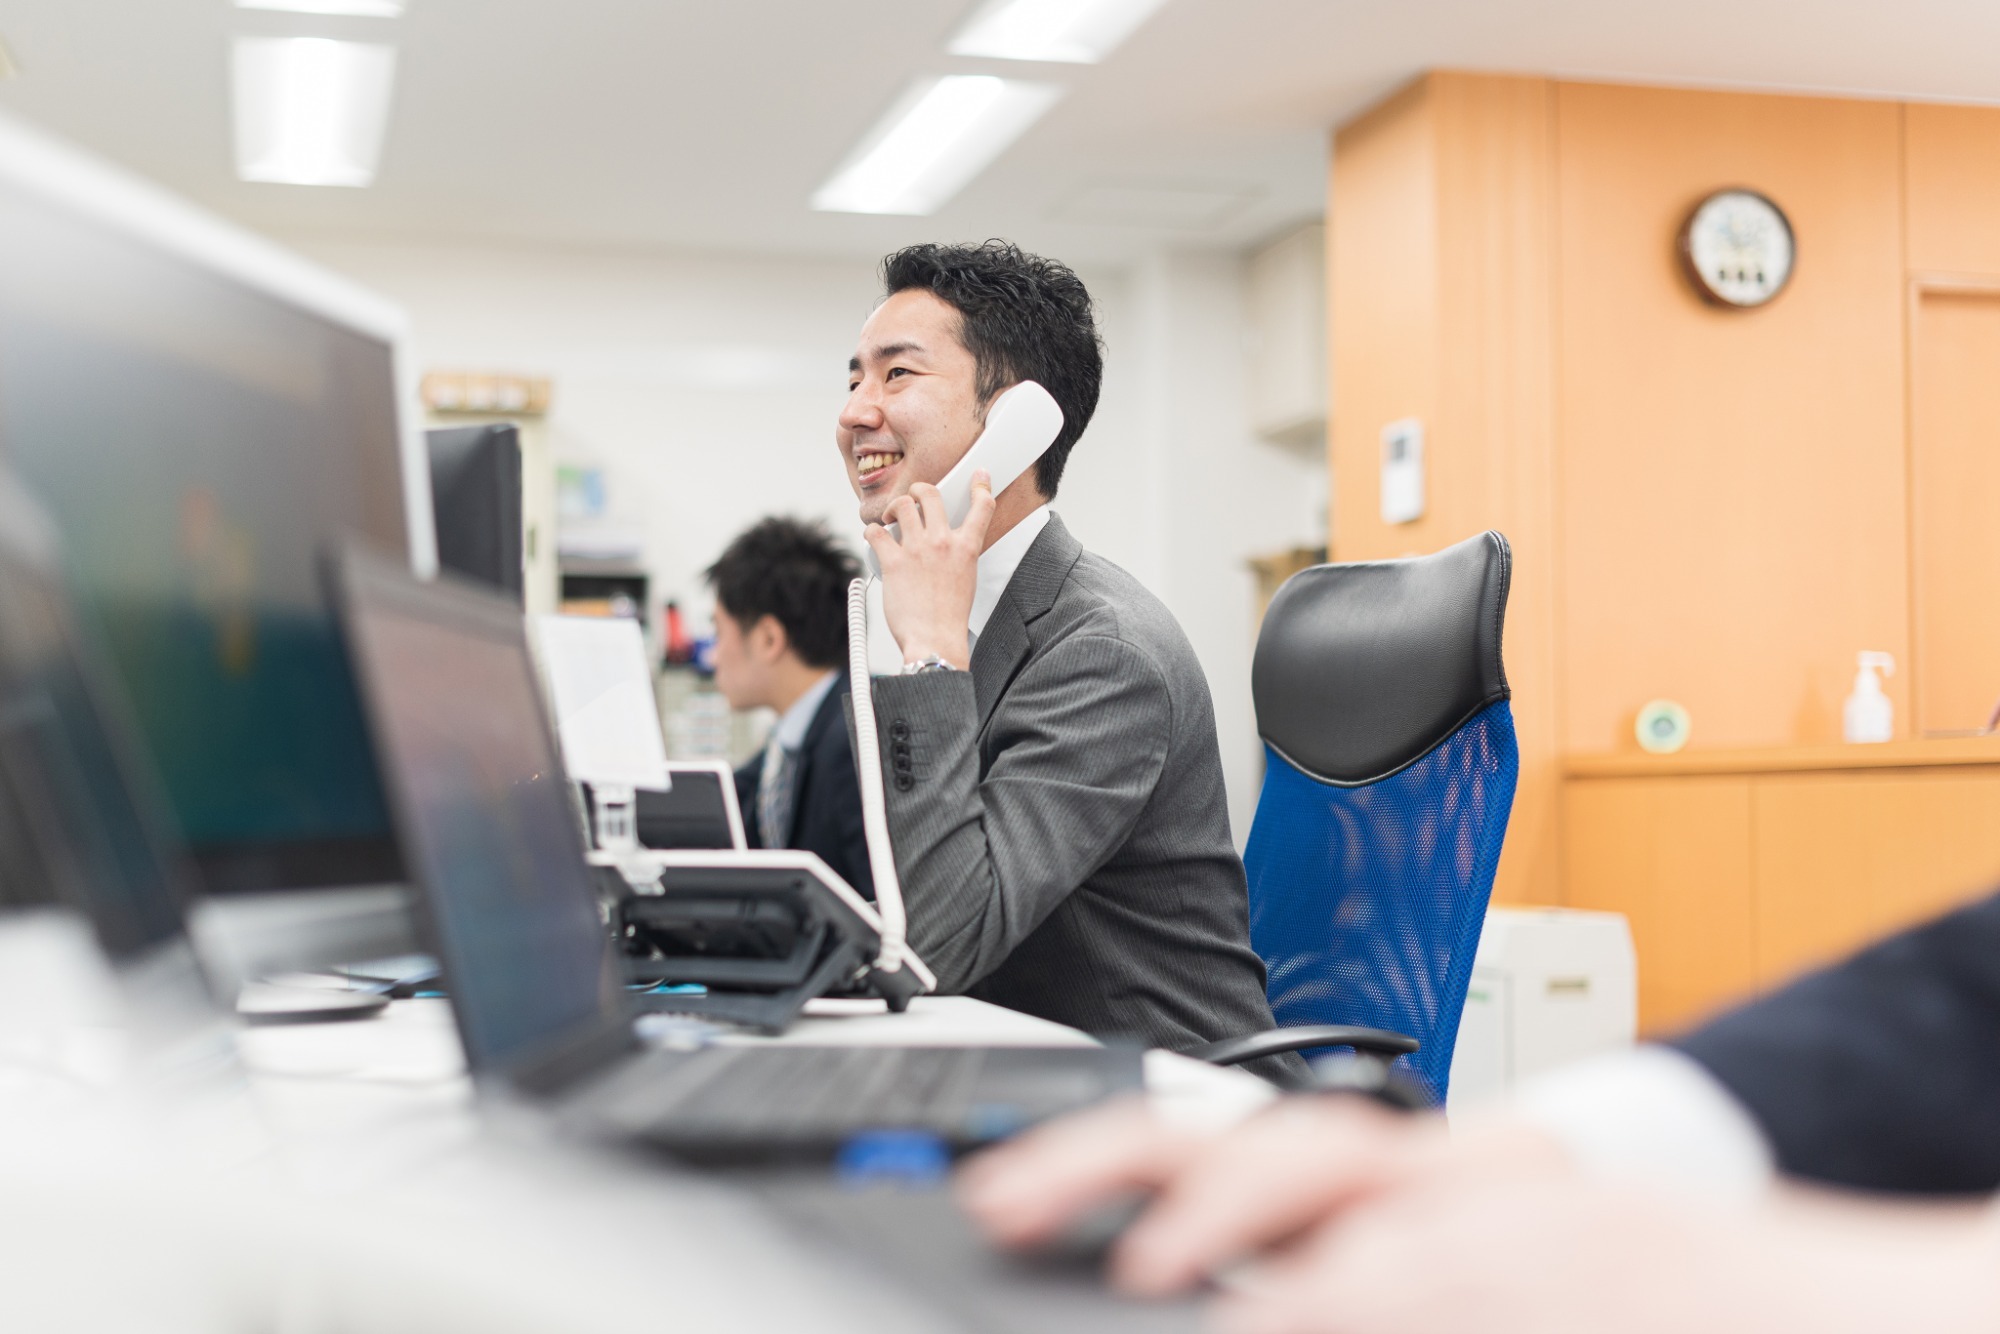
1943,752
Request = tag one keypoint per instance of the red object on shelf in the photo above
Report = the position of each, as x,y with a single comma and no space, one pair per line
680,644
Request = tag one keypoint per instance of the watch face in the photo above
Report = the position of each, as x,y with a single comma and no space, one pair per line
1737,247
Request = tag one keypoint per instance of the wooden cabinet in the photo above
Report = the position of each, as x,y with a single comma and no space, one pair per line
1739,869
1673,855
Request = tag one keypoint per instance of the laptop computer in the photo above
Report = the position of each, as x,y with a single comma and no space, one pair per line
699,811
477,795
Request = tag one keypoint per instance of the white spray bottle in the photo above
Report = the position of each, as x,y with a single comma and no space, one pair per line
1870,715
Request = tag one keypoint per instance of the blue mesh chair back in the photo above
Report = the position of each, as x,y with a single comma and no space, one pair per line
1389,777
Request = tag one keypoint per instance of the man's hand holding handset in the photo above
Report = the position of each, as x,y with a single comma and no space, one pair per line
929,574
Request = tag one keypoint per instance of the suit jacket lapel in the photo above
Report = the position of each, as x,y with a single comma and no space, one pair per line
1004,644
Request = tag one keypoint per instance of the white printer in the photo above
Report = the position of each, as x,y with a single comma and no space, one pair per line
1549,986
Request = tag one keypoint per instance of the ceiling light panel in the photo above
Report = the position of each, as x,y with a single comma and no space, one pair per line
1074,32
361,9
940,135
310,111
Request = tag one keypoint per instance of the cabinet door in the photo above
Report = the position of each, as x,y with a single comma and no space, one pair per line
1954,532
1843,859
1673,855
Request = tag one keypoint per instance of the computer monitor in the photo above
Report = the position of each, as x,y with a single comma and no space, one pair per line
80,826
199,411
476,502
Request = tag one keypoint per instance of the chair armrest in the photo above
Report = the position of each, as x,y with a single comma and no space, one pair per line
1375,1041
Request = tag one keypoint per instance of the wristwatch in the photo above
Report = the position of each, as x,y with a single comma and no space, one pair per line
931,663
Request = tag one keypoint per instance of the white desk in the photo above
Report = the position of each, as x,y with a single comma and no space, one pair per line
372,1197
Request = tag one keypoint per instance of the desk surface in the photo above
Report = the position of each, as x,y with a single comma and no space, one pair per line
406,1064
378,1115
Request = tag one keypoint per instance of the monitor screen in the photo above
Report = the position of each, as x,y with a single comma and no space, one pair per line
476,498
196,439
482,807
75,828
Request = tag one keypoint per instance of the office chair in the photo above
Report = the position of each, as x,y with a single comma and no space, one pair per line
1389,775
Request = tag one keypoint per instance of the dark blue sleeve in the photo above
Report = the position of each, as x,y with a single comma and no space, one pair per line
840,826
1882,1072
747,779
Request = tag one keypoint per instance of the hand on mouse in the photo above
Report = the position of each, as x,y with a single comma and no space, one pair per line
1551,1255
1222,1195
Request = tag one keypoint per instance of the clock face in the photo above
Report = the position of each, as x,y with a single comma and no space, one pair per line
1737,248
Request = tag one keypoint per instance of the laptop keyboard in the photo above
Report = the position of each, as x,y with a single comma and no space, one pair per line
794,1093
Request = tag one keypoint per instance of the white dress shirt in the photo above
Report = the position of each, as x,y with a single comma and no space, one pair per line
1655,1113
997,565
994,572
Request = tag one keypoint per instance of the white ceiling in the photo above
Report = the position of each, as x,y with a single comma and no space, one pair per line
707,123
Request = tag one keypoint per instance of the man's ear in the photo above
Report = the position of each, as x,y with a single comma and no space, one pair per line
768,640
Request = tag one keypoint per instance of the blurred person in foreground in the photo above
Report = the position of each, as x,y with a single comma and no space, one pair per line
1822,1159
780,643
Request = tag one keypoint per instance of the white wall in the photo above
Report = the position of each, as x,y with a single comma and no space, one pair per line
706,387
1211,493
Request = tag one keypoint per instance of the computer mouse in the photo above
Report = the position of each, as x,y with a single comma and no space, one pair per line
1086,1240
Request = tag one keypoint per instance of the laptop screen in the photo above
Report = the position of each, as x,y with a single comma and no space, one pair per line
73,827
482,808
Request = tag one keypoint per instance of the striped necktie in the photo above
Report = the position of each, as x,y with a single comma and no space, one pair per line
774,794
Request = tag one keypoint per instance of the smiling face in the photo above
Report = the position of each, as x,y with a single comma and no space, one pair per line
913,405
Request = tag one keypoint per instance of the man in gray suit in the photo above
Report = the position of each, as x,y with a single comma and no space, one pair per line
1054,787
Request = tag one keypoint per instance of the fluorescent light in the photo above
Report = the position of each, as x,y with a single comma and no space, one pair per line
363,9
1074,32
941,134
310,111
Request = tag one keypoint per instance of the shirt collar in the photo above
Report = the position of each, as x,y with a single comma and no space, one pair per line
998,563
792,727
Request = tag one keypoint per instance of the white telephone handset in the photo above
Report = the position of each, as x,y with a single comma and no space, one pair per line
1020,426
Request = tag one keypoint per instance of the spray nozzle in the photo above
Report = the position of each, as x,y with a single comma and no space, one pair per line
1866,664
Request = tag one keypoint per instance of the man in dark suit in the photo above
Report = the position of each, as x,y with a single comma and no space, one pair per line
1879,1075
780,641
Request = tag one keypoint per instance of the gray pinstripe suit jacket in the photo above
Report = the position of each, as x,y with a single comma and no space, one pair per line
1058,814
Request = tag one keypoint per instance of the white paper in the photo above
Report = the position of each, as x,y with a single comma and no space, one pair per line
606,715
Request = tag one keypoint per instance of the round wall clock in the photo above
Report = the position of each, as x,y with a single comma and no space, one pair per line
1737,248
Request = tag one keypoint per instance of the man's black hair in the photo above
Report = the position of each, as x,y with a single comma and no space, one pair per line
1023,318
795,571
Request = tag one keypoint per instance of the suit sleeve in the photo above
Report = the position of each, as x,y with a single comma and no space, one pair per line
1883,1072
835,762
747,779
1078,744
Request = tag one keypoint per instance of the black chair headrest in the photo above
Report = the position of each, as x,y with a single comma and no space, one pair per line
1363,668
